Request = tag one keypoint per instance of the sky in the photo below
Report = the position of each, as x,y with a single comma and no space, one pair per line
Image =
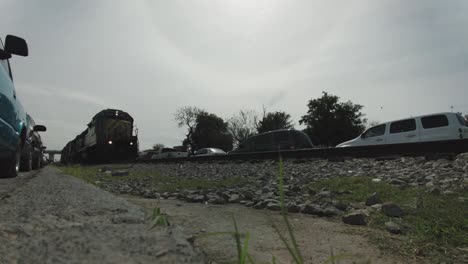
396,58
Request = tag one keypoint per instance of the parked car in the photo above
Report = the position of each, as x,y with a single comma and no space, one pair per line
434,127
13,123
210,152
147,154
169,153
33,149
276,140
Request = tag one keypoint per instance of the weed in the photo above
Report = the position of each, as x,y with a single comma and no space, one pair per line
158,218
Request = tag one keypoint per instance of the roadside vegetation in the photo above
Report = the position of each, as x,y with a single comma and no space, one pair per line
434,225
152,179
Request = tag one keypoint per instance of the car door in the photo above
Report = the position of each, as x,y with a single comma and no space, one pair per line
263,142
374,136
436,127
403,131
282,140
8,113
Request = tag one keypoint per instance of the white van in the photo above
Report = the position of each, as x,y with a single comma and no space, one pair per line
440,126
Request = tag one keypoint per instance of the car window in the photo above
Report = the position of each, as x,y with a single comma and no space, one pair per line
462,120
282,136
403,126
262,139
375,131
434,121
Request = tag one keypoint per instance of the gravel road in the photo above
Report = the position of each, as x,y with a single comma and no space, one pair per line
48,217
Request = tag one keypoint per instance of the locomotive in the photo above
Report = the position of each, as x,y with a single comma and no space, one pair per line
110,136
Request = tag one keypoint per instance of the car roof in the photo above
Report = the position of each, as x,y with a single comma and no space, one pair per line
414,117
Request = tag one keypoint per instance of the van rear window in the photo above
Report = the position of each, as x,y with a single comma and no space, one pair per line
434,121
462,120
403,126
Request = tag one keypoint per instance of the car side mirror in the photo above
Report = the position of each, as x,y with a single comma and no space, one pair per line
40,128
16,45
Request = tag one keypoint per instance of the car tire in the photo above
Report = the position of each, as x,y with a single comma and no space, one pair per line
36,164
27,158
9,167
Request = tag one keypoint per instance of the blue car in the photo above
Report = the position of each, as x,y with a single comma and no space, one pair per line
13,122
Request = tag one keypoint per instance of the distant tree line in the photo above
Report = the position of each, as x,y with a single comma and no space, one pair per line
328,122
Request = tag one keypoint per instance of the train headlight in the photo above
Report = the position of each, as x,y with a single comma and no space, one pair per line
110,142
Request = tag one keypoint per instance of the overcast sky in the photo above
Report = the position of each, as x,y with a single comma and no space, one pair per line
150,57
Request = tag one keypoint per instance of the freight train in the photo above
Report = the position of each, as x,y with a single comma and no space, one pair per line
110,136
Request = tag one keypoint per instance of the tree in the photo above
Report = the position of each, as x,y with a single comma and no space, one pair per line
158,146
242,126
373,123
273,121
187,116
330,122
211,131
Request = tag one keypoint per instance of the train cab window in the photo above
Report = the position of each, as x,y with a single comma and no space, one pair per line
403,126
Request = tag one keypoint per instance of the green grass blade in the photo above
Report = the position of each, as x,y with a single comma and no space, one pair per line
237,238
245,249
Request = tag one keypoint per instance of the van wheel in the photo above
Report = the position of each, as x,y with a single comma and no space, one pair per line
27,159
10,167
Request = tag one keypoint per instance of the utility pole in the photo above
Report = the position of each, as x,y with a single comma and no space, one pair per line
451,107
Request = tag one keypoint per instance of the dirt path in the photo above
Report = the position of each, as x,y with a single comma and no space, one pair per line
316,236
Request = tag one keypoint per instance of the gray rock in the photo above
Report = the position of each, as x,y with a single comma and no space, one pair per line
433,190
195,198
330,211
398,182
120,173
393,227
392,210
234,198
373,199
293,208
355,218
249,195
273,206
259,205
324,194
312,209
340,205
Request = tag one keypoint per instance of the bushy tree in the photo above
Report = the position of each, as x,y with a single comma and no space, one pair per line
187,116
273,121
242,126
211,131
158,146
330,122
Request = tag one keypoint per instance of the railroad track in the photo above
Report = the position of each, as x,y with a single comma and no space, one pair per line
434,149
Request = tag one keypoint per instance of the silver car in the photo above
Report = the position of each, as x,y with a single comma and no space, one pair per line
210,152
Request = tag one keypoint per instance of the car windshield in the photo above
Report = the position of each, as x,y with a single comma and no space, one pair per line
462,121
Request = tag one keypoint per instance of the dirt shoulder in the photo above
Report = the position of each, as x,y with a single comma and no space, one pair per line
316,237
56,218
